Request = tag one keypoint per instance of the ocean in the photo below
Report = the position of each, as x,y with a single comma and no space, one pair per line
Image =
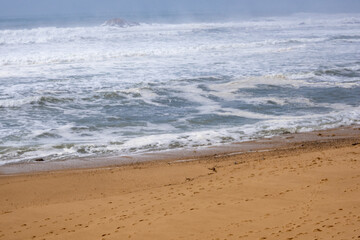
72,89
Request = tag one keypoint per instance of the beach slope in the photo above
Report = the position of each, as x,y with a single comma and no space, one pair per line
307,192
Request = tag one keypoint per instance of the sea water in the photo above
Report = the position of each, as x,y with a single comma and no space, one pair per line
81,89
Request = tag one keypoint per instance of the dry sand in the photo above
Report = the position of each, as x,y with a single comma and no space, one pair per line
303,191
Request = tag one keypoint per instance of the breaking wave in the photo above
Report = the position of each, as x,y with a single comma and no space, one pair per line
70,92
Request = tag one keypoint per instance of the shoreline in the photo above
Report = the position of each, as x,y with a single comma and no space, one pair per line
308,189
263,144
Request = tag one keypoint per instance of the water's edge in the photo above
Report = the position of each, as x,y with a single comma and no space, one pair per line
285,141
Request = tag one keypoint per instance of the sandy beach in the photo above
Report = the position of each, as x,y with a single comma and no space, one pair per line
170,120
303,190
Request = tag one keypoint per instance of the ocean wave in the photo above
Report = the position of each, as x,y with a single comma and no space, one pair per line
145,94
108,34
165,142
115,54
294,41
13,103
16,103
57,35
43,35
351,20
164,86
339,72
100,54
346,72
344,37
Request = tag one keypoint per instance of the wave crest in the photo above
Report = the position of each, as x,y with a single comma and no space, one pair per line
16,103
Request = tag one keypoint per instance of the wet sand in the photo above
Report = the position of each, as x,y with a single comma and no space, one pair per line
304,189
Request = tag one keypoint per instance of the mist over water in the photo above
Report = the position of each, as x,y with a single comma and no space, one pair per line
73,88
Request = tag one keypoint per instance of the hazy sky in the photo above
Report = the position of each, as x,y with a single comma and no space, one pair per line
233,7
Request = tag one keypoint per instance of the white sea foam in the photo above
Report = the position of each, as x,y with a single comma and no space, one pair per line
87,91
162,142
11,103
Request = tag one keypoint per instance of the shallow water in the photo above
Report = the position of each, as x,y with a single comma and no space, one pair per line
96,90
